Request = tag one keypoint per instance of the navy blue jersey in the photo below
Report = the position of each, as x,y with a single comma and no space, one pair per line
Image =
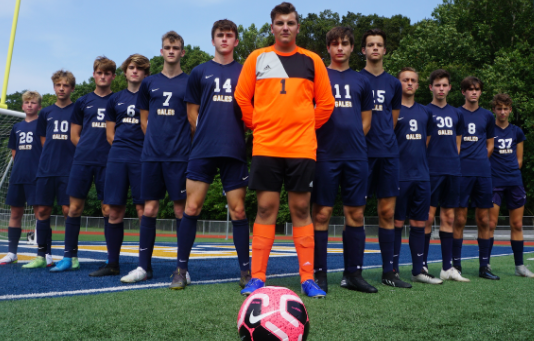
504,166
442,151
128,142
413,127
387,93
219,132
89,112
168,134
58,150
479,126
24,140
342,137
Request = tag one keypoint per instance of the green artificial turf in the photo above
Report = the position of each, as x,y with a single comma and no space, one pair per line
480,310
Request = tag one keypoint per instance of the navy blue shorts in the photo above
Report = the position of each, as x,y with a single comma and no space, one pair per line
383,177
119,177
51,187
20,194
413,201
515,196
445,191
234,173
478,189
350,175
158,177
81,177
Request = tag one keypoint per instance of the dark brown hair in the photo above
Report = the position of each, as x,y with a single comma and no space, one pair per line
471,81
439,74
284,8
172,36
224,25
373,32
501,99
340,32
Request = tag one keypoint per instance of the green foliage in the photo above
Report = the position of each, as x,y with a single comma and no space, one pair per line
14,101
251,39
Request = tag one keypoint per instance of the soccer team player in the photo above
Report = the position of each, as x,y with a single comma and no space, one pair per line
383,151
413,130
218,143
342,160
53,128
26,150
475,189
315,129
166,148
123,169
506,162
88,134
284,95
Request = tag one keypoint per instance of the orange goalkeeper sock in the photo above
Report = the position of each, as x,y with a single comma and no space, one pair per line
305,244
262,243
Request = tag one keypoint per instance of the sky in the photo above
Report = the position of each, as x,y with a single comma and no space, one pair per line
70,34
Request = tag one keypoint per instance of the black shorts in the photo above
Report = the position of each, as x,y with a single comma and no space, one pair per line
269,173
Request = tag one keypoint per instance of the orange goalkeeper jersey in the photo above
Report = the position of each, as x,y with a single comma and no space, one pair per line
276,93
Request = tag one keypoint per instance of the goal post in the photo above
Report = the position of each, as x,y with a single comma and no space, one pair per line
7,119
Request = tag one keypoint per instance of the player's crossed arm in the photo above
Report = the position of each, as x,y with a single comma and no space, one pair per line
75,133
192,115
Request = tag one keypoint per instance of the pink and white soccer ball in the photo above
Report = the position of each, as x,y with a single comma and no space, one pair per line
273,314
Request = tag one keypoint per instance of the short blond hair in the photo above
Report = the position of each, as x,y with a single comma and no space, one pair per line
138,60
29,95
172,36
67,75
105,64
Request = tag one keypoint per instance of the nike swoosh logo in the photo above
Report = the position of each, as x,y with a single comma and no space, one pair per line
89,107
419,255
400,118
245,264
183,191
48,119
209,76
255,319
143,249
155,89
120,103
246,177
496,137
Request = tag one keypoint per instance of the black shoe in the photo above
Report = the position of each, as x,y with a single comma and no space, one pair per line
321,280
485,272
106,270
344,283
356,282
393,280
458,267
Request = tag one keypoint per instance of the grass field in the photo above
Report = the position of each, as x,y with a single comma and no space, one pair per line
480,310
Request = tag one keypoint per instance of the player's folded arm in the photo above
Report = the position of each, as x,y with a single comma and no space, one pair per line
245,88
324,99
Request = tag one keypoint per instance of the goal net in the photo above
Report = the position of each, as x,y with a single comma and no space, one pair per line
7,119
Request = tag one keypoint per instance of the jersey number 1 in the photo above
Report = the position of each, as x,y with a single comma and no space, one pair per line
283,92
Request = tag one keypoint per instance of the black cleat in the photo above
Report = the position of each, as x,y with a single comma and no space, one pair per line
459,268
111,269
392,279
321,280
356,282
245,278
485,272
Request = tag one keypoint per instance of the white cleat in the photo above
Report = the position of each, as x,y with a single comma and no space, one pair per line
136,275
10,258
523,271
425,278
188,278
453,275
49,260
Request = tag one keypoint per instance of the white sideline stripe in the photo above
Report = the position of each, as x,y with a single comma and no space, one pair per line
213,281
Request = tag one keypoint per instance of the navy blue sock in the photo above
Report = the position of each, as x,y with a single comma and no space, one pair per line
386,240
49,239
106,231
427,246
417,248
13,235
492,239
446,249
344,240
147,238
354,247
517,248
72,231
186,239
241,233
397,248
457,251
114,240
43,232
320,251
178,224
483,251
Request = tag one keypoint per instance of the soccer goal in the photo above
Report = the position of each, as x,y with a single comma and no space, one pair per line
7,119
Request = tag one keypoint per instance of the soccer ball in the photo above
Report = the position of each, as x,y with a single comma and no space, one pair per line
273,314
